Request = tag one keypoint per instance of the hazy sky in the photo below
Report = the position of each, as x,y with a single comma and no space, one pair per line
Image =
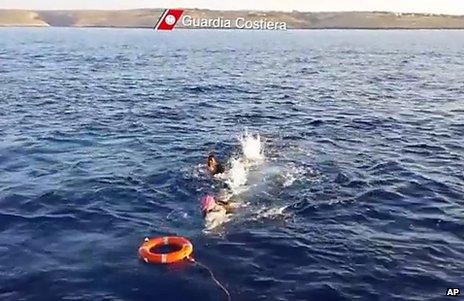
424,6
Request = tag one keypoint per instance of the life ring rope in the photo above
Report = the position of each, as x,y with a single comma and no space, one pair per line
186,249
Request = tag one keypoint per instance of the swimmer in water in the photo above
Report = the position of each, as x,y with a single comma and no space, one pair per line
217,170
214,166
214,212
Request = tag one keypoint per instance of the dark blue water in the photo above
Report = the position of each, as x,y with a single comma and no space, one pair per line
103,133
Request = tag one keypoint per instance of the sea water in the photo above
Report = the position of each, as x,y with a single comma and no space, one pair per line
104,134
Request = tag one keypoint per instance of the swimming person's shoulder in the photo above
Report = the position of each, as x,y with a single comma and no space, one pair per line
220,168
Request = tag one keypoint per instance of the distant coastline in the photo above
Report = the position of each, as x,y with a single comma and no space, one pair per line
146,18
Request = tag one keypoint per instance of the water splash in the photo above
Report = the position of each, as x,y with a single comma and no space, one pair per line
237,175
252,147
253,154
272,212
293,173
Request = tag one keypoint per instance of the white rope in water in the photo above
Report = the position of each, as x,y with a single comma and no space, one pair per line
212,277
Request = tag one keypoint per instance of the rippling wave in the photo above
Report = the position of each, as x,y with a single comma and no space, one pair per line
104,134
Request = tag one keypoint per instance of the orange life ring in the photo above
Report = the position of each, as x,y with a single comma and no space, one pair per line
146,253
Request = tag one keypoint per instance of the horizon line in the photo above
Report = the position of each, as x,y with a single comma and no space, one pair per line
237,10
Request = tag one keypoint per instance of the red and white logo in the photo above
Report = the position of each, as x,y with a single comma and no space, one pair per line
168,19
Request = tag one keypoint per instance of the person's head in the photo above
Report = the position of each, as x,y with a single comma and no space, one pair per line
207,203
213,163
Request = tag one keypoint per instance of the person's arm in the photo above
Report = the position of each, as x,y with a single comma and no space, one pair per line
222,202
229,208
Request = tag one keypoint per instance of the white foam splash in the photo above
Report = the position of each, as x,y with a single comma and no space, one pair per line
289,180
237,175
252,147
272,212
252,150
215,219
293,173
